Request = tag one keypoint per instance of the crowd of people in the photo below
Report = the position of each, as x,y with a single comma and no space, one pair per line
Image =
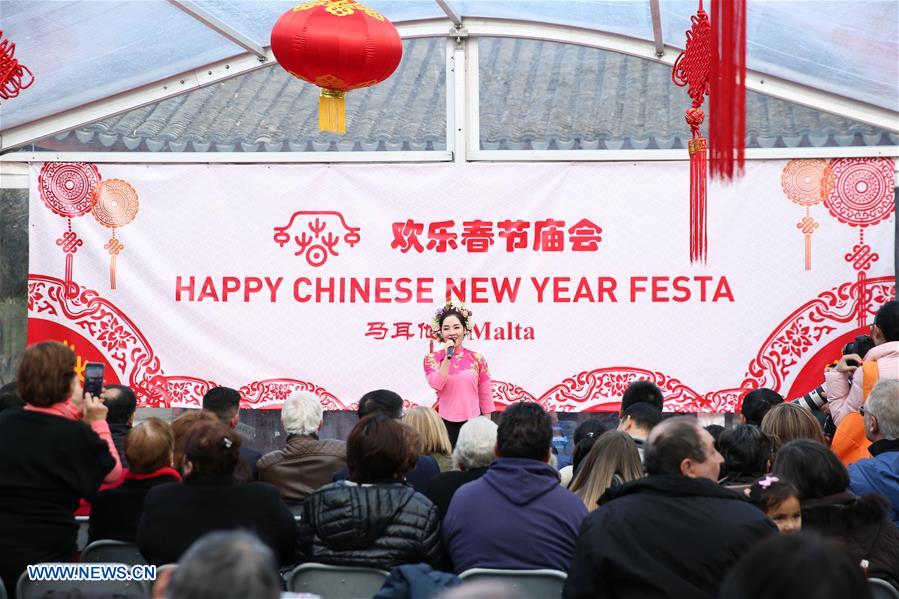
660,507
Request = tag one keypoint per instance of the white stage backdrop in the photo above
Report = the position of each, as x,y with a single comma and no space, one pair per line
321,277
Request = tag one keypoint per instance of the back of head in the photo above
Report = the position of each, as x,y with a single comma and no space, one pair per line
182,424
746,451
381,448
475,447
45,374
613,459
670,443
642,391
212,449
592,427
887,320
787,422
883,404
431,430
380,401
302,414
149,446
525,431
644,415
757,403
812,468
799,566
121,404
224,402
226,565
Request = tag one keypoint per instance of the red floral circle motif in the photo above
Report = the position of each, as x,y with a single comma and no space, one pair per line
67,187
116,203
863,192
807,181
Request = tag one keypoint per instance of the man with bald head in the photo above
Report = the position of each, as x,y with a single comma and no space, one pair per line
672,534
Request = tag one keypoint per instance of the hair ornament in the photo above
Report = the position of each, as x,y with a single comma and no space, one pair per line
768,481
450,306
227,442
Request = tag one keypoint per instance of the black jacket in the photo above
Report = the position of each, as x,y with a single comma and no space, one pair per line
426,469
442,488
663,536
177,515
119,431
379,526
863,525
115,512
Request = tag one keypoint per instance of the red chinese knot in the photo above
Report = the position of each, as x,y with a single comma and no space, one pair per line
338,45
14,76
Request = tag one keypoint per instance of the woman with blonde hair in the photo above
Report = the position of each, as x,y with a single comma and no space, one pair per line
613,460
787,422
435,440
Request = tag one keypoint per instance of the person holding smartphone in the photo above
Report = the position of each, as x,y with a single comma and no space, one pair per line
458,375
53,452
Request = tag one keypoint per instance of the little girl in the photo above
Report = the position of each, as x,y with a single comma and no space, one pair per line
779,500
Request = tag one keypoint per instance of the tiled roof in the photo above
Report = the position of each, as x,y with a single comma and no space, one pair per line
533,95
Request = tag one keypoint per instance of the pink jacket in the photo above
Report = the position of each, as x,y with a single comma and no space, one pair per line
844,398
467,392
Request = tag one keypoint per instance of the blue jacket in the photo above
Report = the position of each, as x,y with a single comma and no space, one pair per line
879,474
515,517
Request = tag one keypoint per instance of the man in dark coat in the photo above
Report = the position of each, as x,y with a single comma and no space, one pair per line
516,516
673,534
880,474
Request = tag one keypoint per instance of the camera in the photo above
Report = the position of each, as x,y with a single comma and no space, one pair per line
816,399
813,400
860,345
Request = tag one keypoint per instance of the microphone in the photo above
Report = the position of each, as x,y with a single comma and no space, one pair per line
449,352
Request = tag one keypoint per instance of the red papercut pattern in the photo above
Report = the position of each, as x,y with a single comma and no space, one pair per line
115,205
862,194
813,323
67,188
314,244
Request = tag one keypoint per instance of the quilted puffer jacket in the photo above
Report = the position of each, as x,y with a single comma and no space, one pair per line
380,526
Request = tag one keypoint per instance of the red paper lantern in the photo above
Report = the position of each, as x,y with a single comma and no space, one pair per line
338,45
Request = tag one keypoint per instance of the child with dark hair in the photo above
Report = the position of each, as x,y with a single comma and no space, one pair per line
780,502
747,455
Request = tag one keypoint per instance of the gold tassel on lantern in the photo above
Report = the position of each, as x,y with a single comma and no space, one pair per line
332,111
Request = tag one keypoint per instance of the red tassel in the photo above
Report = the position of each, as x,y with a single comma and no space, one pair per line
691,70
698,226
727,94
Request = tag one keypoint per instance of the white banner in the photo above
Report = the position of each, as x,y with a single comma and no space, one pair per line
272,278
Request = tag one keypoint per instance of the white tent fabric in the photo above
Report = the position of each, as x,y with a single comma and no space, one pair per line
83,51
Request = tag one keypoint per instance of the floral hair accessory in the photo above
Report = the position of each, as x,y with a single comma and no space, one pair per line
461,308
227,442
768,481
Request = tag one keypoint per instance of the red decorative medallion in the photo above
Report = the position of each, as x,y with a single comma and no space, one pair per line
67,187
807,181
116,203
863,192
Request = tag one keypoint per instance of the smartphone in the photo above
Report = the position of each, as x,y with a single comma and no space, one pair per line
93,378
